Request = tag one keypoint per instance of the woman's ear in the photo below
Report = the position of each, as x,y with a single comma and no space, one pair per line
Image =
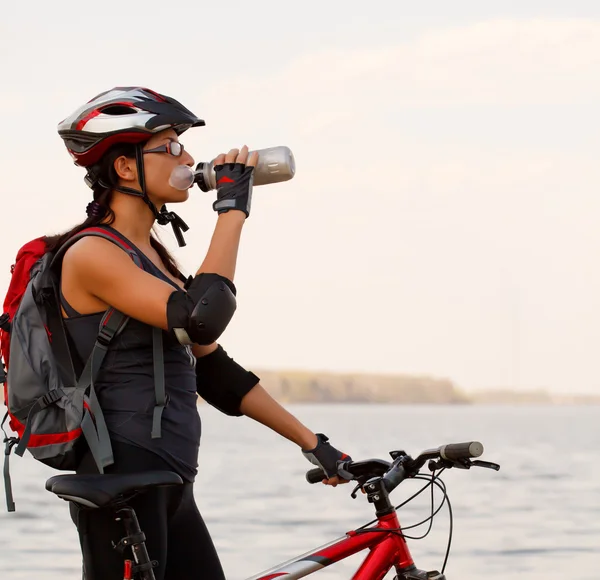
126,168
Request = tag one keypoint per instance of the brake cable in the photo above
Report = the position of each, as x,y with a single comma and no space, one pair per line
432,480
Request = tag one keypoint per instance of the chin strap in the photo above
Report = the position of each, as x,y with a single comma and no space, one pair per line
163,217
179,226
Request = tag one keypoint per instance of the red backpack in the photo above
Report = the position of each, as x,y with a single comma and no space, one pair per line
52,406
27,257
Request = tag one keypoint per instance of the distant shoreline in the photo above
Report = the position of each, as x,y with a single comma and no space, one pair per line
331,387
288,386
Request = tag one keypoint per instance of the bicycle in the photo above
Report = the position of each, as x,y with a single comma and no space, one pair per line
376,478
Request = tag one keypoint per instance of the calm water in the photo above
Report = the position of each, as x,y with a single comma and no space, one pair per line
536,519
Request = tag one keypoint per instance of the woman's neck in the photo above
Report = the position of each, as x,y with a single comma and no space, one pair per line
133,218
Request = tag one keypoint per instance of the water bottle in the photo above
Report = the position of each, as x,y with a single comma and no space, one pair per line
275,164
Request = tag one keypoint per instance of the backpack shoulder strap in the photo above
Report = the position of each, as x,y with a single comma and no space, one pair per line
100,232
112,324
118,320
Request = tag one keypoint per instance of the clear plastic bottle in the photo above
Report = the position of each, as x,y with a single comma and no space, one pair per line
275,164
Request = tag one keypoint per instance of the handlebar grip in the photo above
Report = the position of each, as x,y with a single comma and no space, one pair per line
316,475
457,451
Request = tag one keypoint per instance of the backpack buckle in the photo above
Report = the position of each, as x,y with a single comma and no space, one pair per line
105,335
50,398
9,442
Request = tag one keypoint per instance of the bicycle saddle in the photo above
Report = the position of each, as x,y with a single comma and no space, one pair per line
100,490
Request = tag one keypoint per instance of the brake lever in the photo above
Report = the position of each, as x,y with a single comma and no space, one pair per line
486,464
361,482
461,464
448,464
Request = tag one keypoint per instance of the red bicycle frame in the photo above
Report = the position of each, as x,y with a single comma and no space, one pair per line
387,549
377,479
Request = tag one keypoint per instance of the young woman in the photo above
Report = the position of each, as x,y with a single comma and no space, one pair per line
128,140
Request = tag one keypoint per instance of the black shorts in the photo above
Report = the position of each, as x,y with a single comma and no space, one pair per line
175,532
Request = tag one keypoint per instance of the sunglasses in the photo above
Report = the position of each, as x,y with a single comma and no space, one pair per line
174,148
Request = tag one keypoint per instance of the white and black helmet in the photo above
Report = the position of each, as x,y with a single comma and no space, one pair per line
121,115
125,115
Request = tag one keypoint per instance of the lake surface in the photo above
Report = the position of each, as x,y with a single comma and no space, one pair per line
536,519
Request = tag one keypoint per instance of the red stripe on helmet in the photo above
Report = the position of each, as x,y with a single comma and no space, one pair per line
82,123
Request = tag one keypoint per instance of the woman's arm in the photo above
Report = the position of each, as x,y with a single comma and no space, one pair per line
261,407
97,274
221,257
234,391
256,403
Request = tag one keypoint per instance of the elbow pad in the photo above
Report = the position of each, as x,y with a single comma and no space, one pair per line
222,382
202,313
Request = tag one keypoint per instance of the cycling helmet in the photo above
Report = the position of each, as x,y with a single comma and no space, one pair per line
121,115
125,115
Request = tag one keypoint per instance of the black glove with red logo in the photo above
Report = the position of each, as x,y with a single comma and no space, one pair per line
234,187
327,458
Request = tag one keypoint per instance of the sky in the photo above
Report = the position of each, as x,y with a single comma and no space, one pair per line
443,217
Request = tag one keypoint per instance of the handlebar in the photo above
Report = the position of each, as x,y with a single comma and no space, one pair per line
359,469
315,475
457,451
404,466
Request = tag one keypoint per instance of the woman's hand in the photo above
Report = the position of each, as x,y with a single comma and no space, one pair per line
237,156
327,457
234,173
221,257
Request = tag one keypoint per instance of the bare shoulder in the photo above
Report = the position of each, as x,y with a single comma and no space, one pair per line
96,268
94,254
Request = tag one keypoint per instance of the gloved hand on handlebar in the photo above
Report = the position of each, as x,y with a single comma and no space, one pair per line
235,177
327,458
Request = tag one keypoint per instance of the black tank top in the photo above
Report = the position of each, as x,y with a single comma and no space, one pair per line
125,385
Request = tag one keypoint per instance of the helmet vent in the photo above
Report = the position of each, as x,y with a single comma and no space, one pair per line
118,110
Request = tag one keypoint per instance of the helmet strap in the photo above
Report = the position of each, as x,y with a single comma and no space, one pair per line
178,225
163,217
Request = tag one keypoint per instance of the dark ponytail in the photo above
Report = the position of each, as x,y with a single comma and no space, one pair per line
104,177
